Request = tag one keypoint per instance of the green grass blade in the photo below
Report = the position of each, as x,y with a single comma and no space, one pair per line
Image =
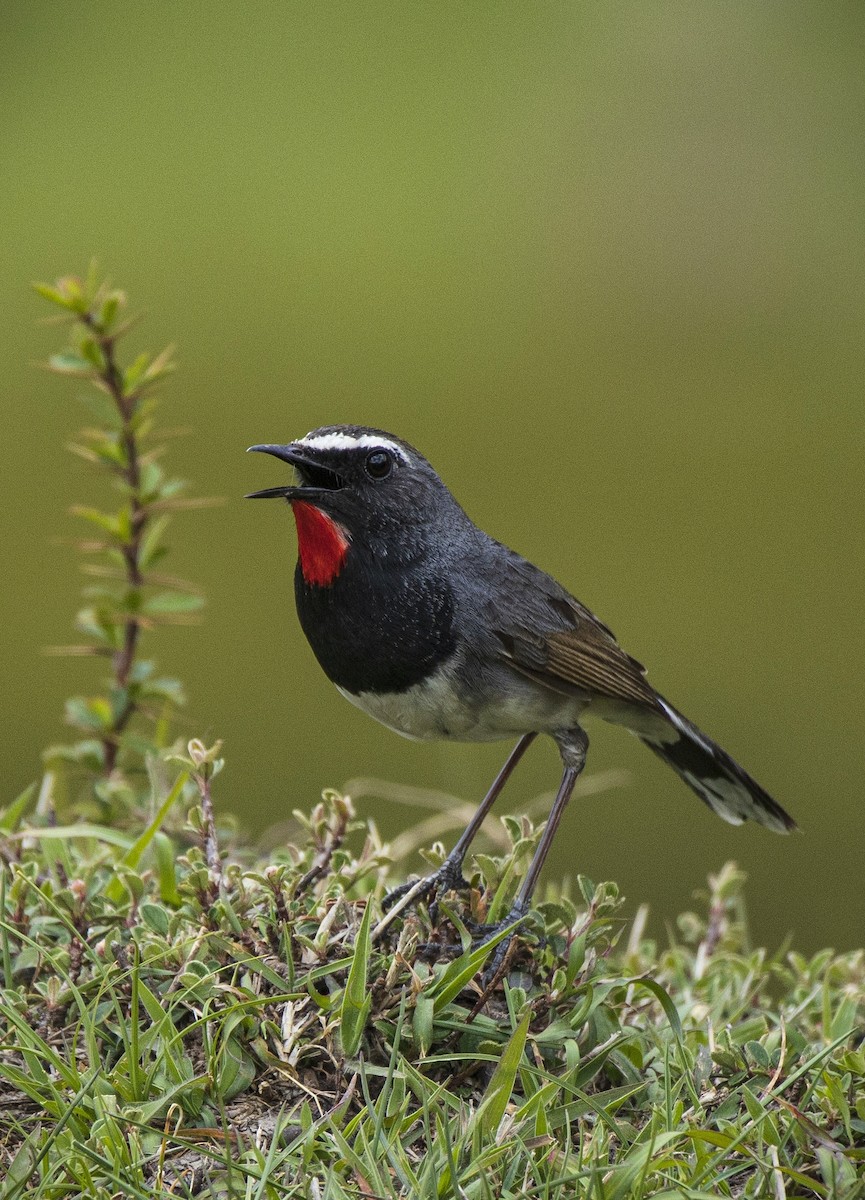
356,1000
114,890
501,1086
12,813
462,970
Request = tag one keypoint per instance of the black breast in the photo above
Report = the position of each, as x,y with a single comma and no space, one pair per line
377,634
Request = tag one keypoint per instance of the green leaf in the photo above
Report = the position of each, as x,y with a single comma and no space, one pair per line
495,1100
165,689
322,1000
172,602
845,1017
356,1000
88,753
21,1167
587,888
422,1023
165,853
109,310
710,1136
90,350
12,813
758,1055
665,1001
82,830
98,624
91,283
161,366
155,916
66,292
756,1111
151,550
92,713
134,371
69,363
173,487
111,523
114,890
54,294
110,450
150,482
235,1069
576,958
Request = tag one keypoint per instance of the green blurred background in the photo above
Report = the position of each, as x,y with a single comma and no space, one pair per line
602,263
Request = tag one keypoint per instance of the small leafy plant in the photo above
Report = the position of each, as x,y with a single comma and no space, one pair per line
128,594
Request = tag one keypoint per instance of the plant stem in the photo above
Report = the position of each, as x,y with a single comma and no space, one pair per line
124,658
211,844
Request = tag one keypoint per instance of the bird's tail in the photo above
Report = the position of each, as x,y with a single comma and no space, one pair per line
717,779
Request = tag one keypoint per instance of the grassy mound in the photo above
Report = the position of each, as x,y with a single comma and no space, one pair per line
174,1028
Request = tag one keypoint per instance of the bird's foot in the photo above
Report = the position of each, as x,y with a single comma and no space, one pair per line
480,935
448,877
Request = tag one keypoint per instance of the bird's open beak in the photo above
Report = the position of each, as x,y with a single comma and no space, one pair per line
314,479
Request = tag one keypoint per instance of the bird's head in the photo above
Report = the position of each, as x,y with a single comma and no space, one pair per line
358,486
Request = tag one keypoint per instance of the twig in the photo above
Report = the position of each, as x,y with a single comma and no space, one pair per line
124,658
211,845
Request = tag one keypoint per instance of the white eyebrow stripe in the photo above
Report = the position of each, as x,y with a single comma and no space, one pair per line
345,441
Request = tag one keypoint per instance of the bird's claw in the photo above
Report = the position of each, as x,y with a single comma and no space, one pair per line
448,877
480,935
397,893
485,933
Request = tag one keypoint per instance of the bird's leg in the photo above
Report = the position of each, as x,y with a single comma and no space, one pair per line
450,874
573,747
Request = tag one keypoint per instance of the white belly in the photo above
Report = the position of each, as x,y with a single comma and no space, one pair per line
432,710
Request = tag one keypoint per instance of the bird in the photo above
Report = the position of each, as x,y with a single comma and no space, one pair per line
438,631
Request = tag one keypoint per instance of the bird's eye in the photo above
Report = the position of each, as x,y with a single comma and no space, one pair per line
378,464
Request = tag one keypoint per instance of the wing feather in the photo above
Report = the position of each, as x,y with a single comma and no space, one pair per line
598,664
585,658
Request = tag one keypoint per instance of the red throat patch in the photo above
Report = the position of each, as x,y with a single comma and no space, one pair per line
322,544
